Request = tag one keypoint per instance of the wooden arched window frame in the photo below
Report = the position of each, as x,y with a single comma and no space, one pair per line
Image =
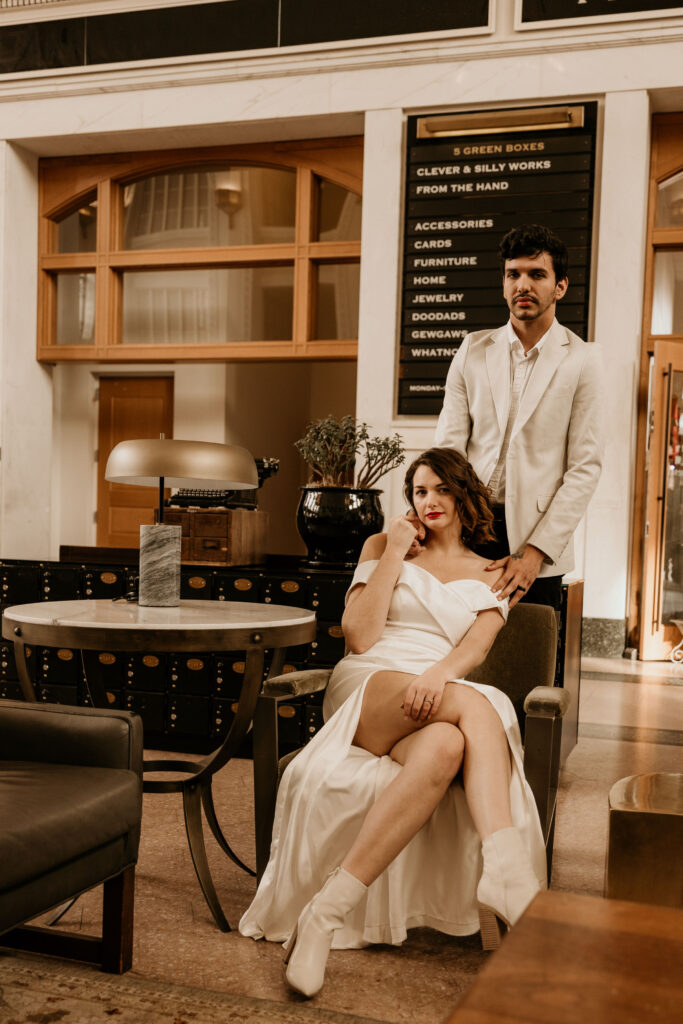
93,269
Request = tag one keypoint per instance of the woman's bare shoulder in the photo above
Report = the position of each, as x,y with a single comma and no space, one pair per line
374,547
480,572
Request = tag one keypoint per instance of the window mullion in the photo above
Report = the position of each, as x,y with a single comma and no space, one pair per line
245,255
304,270
104,290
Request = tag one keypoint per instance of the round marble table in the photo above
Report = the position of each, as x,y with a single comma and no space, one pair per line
101,625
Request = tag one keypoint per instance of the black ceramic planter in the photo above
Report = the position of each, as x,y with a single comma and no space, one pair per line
335,521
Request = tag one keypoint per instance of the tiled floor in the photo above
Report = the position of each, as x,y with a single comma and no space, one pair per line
629,700
631,720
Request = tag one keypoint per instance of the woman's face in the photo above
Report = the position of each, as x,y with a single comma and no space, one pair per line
433,502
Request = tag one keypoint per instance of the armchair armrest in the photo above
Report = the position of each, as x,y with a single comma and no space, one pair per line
545,707
547,702
296,684
97,737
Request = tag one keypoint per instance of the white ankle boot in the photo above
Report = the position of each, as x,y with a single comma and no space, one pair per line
507,885
308,946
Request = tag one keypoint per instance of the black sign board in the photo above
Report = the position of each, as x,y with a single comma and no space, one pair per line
462,194
555,10
314,21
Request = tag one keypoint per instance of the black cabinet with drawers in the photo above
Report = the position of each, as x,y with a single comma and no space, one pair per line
186,701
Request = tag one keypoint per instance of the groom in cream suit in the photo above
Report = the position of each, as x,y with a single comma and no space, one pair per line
524,403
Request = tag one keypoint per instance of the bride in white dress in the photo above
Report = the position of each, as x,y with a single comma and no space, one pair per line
410,807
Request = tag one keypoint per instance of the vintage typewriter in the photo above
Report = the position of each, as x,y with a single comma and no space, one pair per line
191,497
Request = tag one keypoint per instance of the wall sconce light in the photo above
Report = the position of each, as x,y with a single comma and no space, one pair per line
228,192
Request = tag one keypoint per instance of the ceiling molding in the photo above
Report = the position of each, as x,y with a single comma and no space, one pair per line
326,58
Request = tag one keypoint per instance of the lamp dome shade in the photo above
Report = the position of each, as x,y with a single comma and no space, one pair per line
182,464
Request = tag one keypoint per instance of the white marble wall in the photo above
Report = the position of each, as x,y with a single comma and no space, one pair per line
603,541
26,500
618,297
299,93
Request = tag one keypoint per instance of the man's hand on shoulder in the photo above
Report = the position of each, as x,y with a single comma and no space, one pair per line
519,572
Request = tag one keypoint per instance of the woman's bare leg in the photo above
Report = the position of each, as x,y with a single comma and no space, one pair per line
486,765
430,759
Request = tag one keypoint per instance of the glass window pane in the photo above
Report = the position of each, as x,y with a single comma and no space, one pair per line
667,298
207,307
339,213
203,206
76,308
670,202
77,232
337,301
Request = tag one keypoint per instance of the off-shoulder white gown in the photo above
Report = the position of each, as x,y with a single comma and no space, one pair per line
329,787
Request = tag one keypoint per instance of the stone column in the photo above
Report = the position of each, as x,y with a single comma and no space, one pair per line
618,292
27,529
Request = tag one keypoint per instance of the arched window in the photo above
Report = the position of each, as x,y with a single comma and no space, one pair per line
240,253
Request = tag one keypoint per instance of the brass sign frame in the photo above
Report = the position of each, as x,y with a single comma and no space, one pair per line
496,122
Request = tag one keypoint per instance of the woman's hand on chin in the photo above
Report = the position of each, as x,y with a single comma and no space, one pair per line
403,536
419,539
423,697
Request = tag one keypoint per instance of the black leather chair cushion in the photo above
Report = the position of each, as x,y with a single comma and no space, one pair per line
60,812
58,733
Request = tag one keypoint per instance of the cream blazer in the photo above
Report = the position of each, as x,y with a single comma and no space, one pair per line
556,446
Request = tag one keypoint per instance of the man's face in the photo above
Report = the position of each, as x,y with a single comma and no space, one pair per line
530,288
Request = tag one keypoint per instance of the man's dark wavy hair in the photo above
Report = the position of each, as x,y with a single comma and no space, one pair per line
532,240
472,497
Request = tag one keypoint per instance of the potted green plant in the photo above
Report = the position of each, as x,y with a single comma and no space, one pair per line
340,505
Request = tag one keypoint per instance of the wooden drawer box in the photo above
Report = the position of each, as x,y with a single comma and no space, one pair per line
231,536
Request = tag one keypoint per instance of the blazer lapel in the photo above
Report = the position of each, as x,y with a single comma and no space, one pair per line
498,368
554,350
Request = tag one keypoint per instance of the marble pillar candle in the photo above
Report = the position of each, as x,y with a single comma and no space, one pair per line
159,566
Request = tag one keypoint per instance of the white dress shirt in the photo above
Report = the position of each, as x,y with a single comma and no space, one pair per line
521,368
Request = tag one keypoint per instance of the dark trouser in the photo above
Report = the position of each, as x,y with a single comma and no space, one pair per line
544,589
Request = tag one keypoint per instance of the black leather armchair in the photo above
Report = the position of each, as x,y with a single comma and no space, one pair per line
521,663
70,807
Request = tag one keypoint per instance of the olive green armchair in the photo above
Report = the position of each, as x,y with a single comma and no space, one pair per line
521,663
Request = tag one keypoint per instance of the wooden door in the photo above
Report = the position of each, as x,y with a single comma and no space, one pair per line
662,589
130,407
654,562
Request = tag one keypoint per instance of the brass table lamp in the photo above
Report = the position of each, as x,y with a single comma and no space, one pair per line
168,463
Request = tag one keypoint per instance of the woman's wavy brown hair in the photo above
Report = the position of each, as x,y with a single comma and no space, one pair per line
472,497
